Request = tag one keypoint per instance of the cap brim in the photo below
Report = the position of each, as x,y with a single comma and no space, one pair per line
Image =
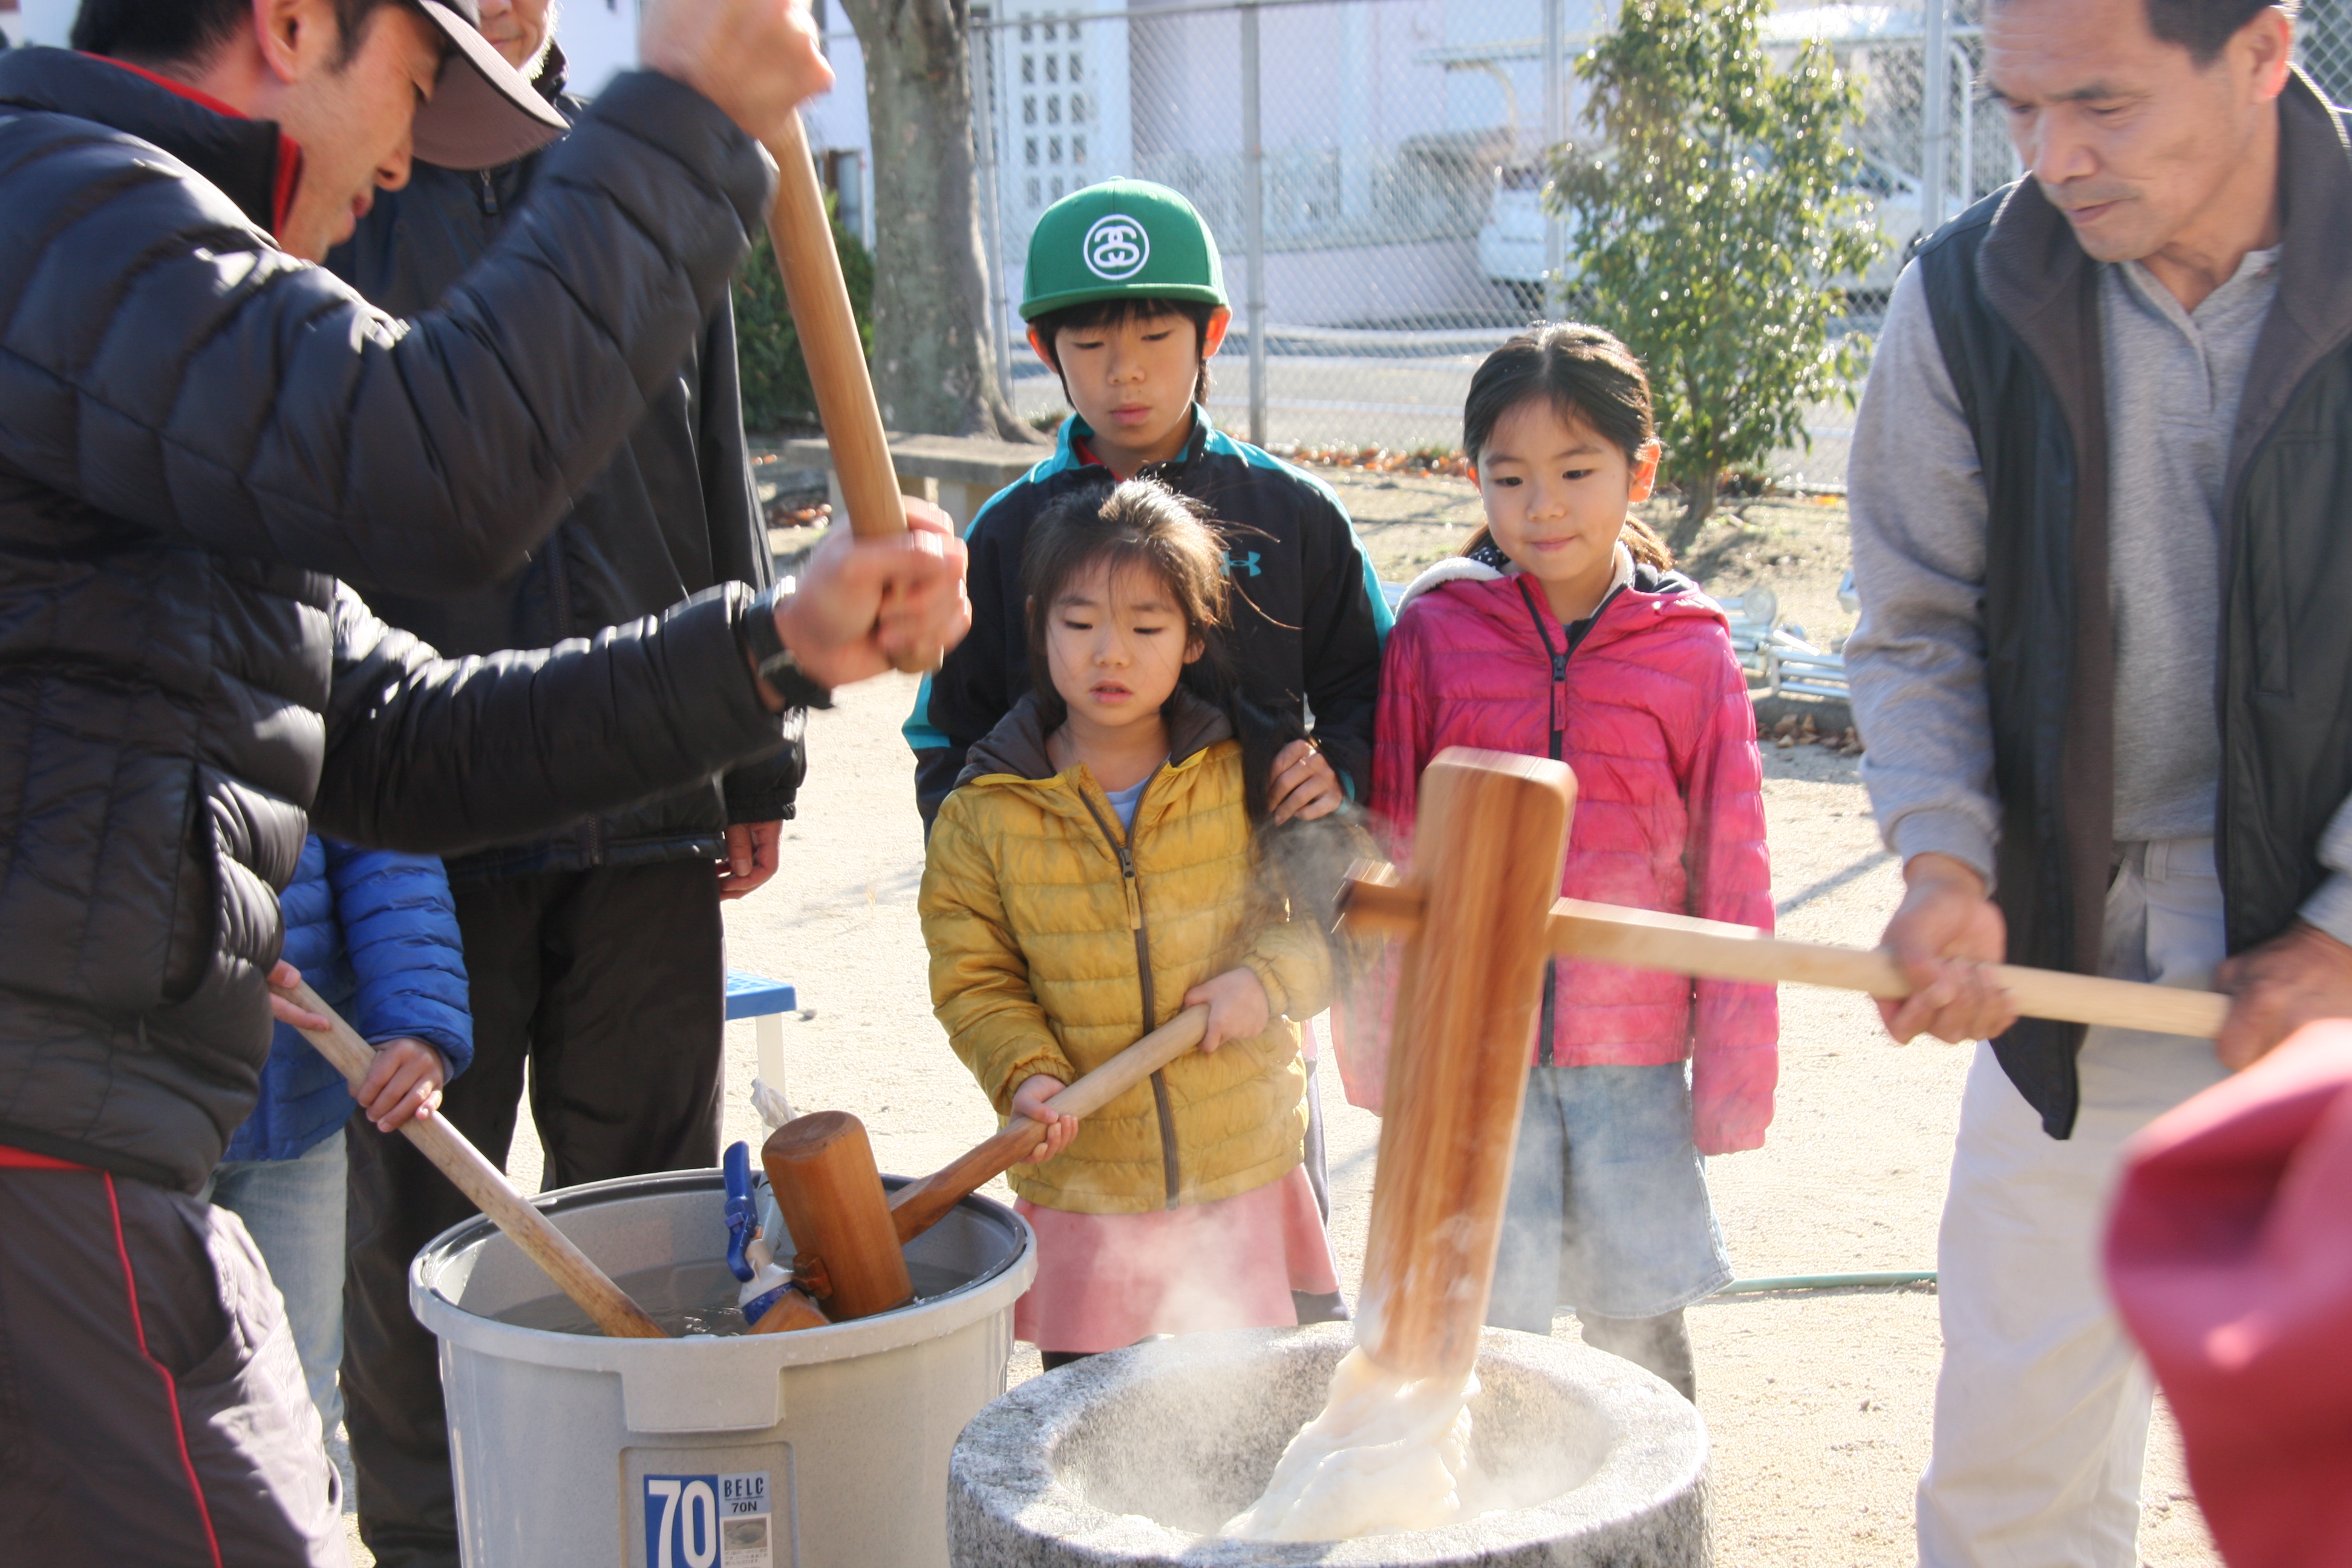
484,112
1190,293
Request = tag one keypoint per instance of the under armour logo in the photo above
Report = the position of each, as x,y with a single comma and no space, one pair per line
1249,560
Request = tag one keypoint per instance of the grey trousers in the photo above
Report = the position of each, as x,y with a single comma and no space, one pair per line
2043,1404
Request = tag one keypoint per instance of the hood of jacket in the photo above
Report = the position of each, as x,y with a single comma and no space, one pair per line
1638,595
1017,744
251,161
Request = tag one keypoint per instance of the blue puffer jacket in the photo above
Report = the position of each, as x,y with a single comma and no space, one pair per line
376,934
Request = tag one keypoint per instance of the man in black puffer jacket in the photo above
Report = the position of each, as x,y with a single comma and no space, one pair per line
595,946
199,434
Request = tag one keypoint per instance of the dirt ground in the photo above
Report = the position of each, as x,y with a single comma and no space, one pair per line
1819,1403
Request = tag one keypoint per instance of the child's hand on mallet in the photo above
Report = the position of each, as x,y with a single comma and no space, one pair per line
1033,1100
1305,784
1237,1007
404,1081
284,977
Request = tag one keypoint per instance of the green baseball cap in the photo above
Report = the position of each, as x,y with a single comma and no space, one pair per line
1121,239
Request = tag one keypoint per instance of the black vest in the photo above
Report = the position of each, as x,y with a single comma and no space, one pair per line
2015,305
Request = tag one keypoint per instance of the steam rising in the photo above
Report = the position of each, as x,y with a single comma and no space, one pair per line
1388,1454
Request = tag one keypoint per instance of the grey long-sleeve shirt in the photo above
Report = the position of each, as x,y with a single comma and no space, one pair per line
1917,659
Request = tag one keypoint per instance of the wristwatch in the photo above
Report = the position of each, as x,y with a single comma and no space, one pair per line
765,648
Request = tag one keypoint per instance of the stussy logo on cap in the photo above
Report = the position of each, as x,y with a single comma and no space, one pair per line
1117,248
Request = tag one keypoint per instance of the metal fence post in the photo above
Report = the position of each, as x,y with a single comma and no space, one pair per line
1935,134
1253,204
981,59
1555,130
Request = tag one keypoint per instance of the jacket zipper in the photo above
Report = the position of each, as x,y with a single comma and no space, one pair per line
1161,1103
490,207
1574,637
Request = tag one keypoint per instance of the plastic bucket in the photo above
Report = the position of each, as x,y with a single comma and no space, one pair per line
824,1448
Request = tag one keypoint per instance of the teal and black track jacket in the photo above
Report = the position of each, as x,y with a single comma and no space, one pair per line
1308,619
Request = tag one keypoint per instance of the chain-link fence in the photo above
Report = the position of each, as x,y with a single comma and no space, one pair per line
1368,166
1372,169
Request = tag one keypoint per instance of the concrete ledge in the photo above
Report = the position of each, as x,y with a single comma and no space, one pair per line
1830,715
959,472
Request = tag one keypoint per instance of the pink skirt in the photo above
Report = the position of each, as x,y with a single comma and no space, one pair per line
1105,1280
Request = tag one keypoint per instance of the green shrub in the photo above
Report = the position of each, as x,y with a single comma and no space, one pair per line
776,389
1712,224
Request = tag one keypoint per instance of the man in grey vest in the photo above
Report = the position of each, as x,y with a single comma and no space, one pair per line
2104,665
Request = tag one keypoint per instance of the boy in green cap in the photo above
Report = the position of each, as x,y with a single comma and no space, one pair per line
1125,298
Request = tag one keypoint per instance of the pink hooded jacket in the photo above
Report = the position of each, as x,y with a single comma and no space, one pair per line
1650,709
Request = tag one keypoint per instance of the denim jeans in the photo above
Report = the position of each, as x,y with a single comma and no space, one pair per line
293,1209
1608,1209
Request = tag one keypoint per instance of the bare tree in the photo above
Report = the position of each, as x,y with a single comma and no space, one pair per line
934,344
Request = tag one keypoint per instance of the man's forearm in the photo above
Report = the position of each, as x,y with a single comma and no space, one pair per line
439,755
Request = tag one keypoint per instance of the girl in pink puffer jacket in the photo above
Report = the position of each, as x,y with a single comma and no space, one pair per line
1561,631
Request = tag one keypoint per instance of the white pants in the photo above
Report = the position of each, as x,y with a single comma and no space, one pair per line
2042,1407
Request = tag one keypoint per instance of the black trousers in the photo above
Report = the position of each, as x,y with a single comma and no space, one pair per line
609,987
151,1405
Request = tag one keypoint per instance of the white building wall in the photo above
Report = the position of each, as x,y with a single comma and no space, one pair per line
43,21
1058,93
599,39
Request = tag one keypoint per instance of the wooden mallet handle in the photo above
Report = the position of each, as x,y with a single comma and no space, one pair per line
606,1304
1493,831
918,1206
828,332
817,1164
1715,949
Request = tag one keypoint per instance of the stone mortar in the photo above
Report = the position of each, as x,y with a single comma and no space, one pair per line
1132,1458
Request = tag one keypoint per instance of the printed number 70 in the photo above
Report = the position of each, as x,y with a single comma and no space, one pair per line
699,1498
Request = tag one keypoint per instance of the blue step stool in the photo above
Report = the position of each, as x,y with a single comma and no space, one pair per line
765,1001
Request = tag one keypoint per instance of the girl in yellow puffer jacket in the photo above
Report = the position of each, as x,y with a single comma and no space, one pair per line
1094,871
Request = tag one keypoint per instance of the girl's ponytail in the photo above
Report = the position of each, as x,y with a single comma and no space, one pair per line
1643,543
1587,376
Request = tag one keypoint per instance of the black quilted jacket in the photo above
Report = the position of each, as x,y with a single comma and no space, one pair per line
673,513
199,434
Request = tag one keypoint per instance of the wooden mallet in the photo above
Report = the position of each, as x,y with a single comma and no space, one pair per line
848,1239
606,1304
1491,834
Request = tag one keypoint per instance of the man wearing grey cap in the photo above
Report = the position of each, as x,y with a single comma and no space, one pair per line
200,433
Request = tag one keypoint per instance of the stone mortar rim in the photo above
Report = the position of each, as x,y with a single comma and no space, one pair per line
1660,1454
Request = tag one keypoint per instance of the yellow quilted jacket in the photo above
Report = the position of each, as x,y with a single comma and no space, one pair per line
1055,947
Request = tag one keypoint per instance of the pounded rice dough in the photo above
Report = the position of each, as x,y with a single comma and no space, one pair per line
1386,1455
